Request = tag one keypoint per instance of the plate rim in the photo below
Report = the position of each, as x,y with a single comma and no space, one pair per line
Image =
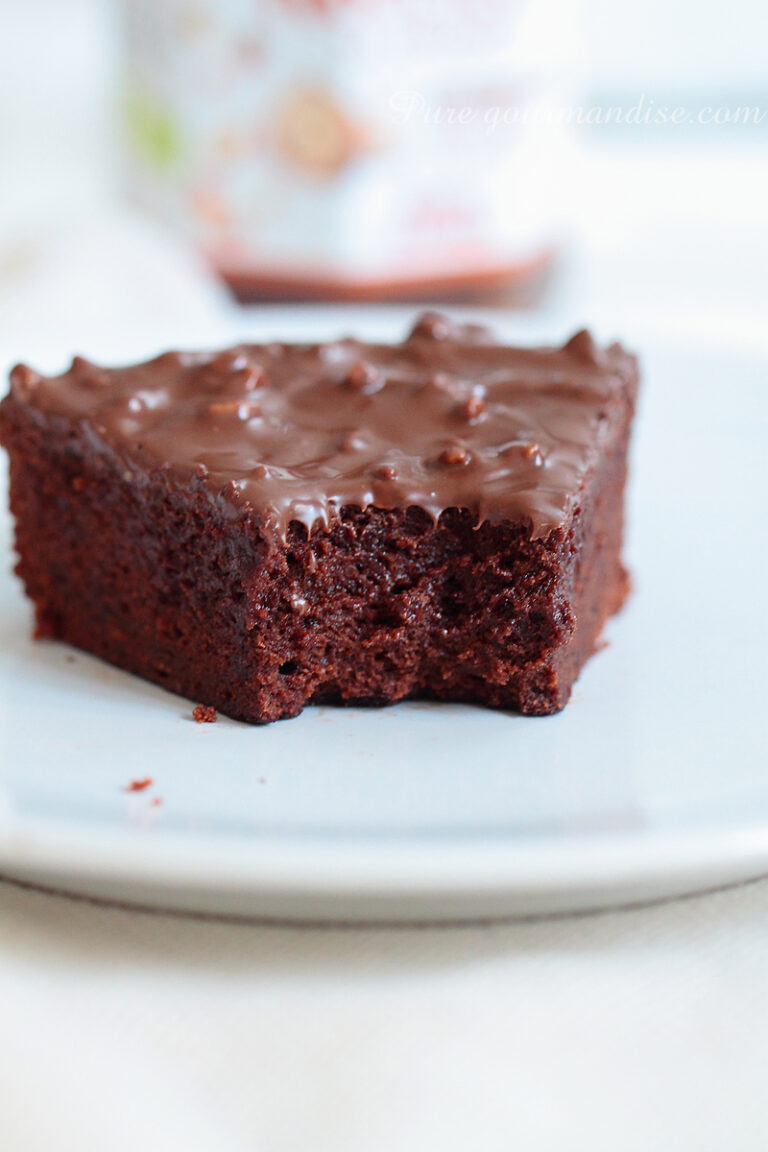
386,868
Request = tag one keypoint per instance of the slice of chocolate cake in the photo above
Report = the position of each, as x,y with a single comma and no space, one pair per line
274,525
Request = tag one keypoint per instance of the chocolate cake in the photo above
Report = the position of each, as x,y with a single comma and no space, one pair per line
276,525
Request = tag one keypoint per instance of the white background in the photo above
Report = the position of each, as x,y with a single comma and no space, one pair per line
692,197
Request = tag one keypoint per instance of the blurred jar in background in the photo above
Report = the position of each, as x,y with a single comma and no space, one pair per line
354,149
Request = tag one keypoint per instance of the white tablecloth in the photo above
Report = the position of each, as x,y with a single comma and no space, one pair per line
633,1031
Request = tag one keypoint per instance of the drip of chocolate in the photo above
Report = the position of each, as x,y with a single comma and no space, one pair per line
447,419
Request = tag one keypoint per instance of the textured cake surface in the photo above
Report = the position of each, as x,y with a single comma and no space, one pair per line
277,524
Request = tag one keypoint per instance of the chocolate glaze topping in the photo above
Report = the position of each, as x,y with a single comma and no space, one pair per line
447,419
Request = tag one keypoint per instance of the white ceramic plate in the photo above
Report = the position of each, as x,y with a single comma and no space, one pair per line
652,782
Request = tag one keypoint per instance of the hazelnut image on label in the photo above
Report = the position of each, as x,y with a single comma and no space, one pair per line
315,134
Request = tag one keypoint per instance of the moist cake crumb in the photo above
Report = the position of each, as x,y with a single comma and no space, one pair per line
204,714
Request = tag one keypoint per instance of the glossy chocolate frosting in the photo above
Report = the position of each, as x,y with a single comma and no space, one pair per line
447,419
